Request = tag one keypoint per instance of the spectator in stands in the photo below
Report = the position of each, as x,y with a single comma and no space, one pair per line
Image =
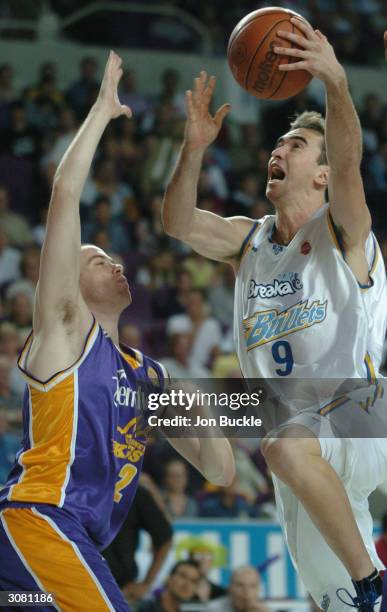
178,503
381,542
65,132
174,300
7,90
129,94
203,554
221,296
178,363
225,503
14,225
144,514
29,273
202,270
180,587
79,92
130,335
102,220
171,91
243,594
9,445
106,183
20,139
205,330
18,307
10,345
9,400
9,257
251,483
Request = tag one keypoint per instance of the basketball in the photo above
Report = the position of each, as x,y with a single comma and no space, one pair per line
252,60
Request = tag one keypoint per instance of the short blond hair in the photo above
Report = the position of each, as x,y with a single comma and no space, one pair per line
312,120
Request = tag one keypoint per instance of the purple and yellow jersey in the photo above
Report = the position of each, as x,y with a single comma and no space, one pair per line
84,438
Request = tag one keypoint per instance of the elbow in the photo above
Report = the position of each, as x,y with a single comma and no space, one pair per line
171,229
225,478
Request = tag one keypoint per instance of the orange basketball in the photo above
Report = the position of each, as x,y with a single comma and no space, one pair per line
252,60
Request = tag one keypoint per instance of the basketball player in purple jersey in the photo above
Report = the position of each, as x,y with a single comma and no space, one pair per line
83,446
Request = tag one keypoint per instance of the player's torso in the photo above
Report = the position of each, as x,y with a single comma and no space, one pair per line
299,310
84,440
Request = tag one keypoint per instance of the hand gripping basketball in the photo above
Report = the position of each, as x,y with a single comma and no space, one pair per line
316,55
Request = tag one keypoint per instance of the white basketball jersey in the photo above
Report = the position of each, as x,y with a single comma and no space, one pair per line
299,310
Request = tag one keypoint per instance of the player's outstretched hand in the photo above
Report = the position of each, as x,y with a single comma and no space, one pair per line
202,128
316,54
108,93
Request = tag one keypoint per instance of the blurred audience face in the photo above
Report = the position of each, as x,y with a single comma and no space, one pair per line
131,336
9,340
29,264
103,212
89,68
195,305
176,477
3,240
204,559
184,281
182,584
244,588
5,374
21,309
181,346
4,199
106,172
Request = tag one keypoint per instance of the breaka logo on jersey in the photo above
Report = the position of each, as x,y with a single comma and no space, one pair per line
268,325
286,284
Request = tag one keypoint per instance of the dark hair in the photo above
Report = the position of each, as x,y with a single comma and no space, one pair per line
312,120
190,562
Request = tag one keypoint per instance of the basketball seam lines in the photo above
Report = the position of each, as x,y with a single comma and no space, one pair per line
259,46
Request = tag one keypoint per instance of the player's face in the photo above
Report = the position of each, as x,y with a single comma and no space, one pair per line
184,582
293,166
102,280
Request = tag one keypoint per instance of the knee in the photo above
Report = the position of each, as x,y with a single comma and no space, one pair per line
288,457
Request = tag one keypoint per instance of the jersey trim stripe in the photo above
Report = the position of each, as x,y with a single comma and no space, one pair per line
247,241
78,578
62,374
31,443
73,440
17,550
52,428
371,375
333,405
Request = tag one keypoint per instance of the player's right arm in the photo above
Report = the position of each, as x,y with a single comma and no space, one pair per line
60,315
209,234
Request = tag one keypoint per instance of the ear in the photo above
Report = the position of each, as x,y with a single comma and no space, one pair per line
321,178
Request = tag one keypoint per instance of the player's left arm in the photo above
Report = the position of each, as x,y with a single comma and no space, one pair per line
343,138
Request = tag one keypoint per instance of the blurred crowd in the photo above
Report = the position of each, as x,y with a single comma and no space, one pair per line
353,26
182,307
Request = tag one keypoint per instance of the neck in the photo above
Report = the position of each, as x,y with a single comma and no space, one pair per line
291,219
109,322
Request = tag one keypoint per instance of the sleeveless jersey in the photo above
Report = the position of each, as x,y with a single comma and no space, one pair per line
85,436
299,310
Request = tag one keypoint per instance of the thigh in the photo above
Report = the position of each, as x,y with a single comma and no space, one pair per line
46,554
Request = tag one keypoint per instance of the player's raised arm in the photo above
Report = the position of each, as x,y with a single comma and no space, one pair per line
207,233
58,295
343,142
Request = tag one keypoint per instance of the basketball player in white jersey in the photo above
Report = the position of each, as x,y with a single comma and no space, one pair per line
309,303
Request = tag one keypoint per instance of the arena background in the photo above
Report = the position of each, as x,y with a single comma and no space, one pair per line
182,304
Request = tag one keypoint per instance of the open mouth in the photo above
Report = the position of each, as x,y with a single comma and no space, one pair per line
276,174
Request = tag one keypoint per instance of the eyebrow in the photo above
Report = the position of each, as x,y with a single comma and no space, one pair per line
99,256
282,138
